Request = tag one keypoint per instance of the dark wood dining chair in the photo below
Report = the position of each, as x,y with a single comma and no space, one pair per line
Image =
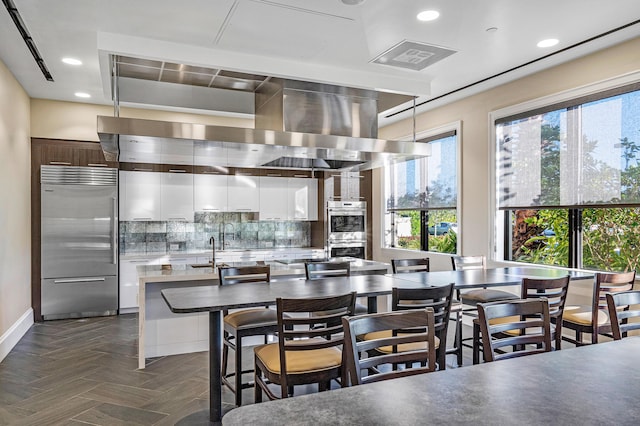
523,325
480,295
438,298
620,312
308,350
554,290
594,318
400,266
243,323
318,270
406,338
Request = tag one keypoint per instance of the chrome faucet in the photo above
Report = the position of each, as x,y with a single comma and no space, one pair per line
212,241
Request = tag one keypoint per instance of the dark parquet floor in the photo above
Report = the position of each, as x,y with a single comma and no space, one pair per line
84,372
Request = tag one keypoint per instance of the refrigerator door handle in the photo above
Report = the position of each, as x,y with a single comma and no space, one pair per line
114,232
78,280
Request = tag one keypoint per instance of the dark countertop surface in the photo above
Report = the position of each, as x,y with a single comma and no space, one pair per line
592,385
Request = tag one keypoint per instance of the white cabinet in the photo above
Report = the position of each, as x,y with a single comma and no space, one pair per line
210,193
302,199
176,196
244,194
129,283
274,198
139,196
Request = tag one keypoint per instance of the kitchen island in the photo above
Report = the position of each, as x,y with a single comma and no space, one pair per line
161,332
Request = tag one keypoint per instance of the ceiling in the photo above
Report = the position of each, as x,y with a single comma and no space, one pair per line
312,40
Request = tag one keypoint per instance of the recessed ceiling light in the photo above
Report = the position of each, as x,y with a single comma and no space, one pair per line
72,61
82,95
428,15
548,42
352,2
491,29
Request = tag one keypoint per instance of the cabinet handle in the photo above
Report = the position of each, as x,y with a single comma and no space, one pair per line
211,173
60,163
244,210
138,261
78,280
96,165
274,174
177,259
207,209
141,170
177,218
141,218
177,171
300,176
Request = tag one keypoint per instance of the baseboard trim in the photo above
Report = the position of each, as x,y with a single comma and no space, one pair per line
13,335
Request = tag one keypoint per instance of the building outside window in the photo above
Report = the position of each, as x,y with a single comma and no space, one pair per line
568,182
421,199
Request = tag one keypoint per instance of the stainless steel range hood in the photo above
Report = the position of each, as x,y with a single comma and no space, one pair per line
299,126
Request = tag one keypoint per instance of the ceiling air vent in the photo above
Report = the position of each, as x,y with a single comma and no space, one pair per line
413,55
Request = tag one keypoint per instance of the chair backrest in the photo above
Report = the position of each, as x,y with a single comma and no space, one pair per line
299,330
553,289
244,274
315,270
410,265
463,263
402,323
609,283
528,322
437,298
620,312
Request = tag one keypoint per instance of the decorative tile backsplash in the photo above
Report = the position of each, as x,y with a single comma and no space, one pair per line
231,230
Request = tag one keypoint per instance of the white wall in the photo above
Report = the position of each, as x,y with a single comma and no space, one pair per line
476,146
15,212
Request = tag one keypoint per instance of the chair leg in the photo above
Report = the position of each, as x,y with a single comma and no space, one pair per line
257,391
225,356
476,343
238,375
458,339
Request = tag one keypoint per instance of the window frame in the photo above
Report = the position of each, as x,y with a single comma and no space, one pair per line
455,127
499,224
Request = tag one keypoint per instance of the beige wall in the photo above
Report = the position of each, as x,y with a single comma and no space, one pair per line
476,147
15,202
78,121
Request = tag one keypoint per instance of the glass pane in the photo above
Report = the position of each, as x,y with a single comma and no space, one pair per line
540,236
441,174
581,156
611,239
529,161
443,231
407,230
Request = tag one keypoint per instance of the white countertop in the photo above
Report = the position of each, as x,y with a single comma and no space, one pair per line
207,252
155,273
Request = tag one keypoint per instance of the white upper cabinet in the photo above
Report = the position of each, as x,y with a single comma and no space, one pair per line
274,202
139,196
244,194
302,199
176,196
210,193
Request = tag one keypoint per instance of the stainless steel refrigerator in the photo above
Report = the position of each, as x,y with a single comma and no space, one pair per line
79,241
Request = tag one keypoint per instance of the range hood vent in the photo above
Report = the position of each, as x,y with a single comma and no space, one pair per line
311,163
299,125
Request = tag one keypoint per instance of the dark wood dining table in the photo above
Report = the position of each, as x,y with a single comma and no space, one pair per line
215,298
590,385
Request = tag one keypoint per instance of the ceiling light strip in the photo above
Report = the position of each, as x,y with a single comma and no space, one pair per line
26,36
573,46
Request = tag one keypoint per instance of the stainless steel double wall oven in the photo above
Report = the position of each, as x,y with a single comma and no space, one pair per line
347,229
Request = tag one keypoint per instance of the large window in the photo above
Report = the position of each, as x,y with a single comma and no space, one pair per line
568,182
421,199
